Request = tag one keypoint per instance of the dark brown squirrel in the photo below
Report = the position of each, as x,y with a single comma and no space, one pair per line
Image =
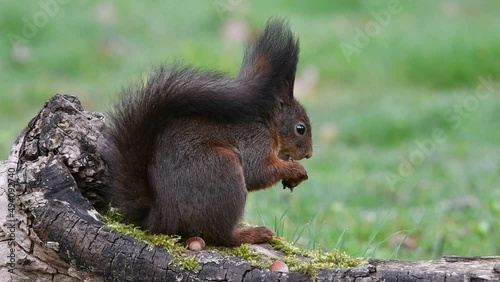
186,146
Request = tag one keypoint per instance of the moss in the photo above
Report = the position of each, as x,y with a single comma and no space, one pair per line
297,260
244,252
114,220
286,247
311,262
186,262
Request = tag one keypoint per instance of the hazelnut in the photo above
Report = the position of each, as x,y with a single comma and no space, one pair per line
278,265
195,244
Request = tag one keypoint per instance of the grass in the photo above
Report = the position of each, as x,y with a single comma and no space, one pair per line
370,112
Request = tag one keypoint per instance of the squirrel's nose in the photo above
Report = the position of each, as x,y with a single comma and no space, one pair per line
309,153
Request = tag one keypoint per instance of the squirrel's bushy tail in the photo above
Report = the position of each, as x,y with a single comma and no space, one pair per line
144,110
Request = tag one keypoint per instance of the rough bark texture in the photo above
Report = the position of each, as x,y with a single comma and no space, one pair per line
52,183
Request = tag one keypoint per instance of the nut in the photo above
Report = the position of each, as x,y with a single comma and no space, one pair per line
195,244
279,266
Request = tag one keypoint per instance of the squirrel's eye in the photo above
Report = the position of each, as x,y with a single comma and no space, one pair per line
300,128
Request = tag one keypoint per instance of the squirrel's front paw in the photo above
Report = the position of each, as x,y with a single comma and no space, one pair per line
299,174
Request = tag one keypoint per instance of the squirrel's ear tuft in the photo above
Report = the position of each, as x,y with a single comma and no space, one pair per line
273,56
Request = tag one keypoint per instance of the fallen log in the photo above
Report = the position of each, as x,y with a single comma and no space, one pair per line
52,189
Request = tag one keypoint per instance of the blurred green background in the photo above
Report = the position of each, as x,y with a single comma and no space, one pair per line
401,94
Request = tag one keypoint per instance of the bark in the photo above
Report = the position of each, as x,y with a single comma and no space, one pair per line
53,186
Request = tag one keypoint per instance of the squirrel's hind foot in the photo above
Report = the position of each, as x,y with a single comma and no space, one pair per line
253,235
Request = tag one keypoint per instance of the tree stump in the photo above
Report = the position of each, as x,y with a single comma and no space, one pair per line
52,188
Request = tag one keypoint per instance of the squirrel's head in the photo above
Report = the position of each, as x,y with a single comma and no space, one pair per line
295,132
271,63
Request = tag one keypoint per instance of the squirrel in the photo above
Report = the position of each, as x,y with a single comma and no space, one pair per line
186,146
